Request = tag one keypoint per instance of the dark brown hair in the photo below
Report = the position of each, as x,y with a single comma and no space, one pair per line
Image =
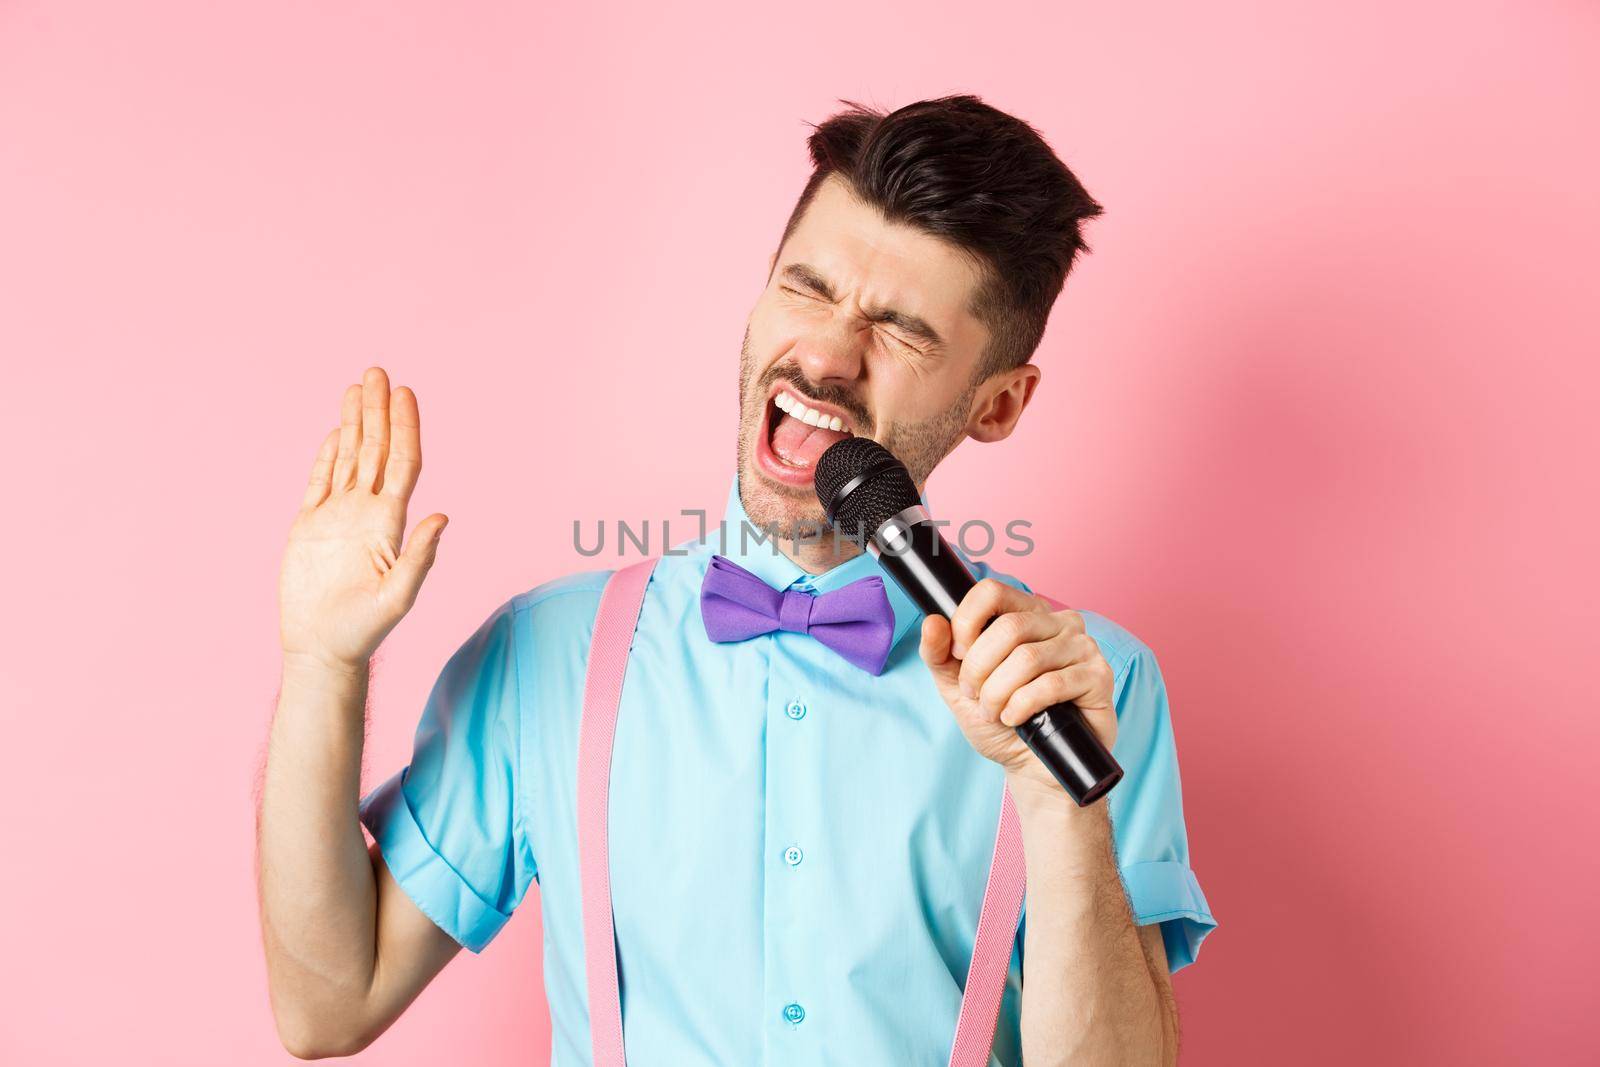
979,178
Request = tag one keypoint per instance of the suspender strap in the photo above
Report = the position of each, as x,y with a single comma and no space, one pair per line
602,690
991,952
614,625
997,926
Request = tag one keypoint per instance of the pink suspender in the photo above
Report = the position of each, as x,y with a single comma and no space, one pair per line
991,952
620,602
602,691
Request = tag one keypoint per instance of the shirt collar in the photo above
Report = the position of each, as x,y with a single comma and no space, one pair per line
763,559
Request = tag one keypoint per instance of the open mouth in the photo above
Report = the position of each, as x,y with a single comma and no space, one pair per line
795,433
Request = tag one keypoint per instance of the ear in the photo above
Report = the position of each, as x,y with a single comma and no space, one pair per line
1000,403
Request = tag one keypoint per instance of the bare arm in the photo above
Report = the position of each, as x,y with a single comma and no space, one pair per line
1095,987
346,949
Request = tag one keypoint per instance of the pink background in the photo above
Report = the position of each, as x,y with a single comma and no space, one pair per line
1315,424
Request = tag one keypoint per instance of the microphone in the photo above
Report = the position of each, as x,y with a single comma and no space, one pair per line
869,496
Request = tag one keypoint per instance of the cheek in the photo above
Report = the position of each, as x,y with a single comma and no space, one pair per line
900,393
911,404
772,333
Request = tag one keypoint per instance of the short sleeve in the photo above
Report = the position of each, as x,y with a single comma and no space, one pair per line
1147,814
449,824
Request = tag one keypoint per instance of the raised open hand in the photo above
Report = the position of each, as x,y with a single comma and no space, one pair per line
345,580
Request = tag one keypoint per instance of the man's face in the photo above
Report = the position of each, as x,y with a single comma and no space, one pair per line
867,324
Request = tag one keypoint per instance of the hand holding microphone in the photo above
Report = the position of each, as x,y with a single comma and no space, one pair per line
1017,675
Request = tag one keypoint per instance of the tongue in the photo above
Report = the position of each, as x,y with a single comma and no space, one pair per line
799,444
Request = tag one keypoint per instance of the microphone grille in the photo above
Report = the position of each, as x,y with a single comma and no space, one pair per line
886,491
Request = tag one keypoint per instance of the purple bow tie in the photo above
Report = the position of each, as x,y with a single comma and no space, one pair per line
855,620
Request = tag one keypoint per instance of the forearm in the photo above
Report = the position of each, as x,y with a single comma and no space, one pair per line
318,896
1089,994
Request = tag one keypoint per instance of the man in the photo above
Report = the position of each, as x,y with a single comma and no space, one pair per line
798,844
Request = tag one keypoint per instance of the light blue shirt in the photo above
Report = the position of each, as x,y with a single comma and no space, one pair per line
798,848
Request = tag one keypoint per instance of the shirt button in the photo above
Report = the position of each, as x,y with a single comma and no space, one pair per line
794,1013
796,709
792,856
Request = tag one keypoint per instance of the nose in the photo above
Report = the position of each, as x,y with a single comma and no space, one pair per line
832,352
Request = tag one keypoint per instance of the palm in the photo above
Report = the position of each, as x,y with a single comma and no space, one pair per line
334,572
345,581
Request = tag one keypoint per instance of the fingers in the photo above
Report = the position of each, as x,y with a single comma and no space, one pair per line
935,646
1028,662
405,445
416,559
935,649
374,428
997,641
1072,683
322,471
367,458
344,465
983,602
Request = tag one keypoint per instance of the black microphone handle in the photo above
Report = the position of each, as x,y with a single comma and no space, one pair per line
928,569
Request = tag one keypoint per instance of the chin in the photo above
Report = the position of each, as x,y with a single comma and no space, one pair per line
773,504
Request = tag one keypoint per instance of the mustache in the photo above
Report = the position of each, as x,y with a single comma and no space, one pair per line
828,394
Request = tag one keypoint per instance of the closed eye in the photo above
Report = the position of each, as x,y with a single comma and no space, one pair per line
902,342
812,296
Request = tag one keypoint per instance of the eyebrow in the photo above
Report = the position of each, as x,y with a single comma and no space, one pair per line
806,275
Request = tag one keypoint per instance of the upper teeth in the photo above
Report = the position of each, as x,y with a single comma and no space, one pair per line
792,406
